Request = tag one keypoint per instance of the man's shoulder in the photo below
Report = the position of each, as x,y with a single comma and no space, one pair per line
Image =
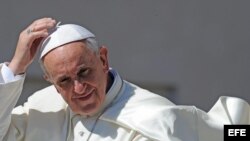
134,101
146,112
136,95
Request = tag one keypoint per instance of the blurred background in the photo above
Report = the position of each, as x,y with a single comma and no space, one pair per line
191,52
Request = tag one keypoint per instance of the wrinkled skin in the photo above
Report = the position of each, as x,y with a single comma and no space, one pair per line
79,75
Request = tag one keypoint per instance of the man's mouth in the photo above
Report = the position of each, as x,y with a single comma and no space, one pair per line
84,96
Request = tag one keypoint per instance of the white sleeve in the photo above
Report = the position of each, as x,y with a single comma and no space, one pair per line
10,90
7,75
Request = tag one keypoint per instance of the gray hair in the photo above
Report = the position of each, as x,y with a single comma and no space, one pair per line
91,43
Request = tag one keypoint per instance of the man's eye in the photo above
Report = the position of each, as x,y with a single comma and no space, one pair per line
83,72
64,80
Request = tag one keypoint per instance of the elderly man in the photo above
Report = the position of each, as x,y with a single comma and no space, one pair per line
89,101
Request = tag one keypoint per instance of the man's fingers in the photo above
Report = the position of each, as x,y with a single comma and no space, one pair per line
39,21
40,24
38,34
43,25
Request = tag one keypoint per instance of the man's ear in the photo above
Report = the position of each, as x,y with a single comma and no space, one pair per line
103,52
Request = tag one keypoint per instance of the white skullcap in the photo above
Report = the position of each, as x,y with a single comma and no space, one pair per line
63,34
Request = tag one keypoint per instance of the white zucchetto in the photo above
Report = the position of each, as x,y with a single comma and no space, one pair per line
63,34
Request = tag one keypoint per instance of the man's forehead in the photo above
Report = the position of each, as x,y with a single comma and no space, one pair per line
63,67
68,52
66,73
74,54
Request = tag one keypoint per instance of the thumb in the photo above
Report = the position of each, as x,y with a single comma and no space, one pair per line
35,46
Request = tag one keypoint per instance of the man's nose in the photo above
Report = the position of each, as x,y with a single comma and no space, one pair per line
79,87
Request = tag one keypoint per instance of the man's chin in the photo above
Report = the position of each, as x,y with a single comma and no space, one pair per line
89,110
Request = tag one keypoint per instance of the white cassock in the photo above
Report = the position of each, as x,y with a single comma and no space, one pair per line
129,113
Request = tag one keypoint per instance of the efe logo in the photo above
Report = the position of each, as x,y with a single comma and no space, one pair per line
236,132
